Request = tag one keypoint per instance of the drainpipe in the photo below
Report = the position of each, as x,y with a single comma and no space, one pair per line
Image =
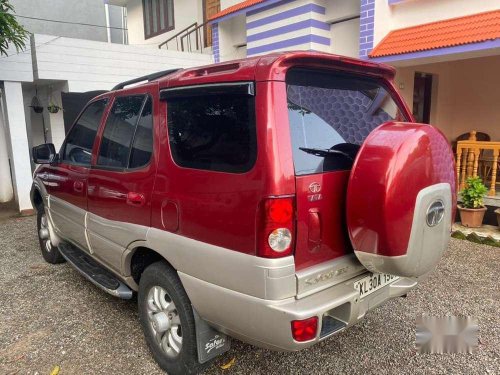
108,30
6,191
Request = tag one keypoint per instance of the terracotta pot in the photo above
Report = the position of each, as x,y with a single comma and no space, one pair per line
472,217
497,211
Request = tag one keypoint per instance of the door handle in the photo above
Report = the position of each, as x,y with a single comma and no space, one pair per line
135,199
78,186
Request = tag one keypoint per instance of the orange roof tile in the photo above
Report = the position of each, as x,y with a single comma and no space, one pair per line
447,33
235,8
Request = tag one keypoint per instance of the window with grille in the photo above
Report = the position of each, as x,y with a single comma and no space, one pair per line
158,17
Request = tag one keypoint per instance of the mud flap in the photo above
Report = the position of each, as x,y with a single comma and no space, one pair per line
210,343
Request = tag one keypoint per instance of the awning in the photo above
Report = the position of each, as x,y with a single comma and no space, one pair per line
452,32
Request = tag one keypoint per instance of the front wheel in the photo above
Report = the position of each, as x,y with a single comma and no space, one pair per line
167,320
50,253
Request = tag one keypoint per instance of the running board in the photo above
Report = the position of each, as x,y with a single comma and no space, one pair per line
94,272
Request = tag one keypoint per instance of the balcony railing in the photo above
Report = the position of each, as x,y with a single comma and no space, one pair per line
475,158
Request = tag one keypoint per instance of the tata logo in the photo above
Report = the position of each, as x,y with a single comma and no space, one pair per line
435,213
315,187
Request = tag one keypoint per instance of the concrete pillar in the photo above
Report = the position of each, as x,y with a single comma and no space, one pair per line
54,122
13,105
6,191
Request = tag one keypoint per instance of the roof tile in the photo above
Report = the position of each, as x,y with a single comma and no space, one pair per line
235,8
447,33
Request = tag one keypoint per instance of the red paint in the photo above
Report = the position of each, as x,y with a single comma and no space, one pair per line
396,161
125,195
223,209
321,226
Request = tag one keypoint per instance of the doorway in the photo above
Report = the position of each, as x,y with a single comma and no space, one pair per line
210,8
422,97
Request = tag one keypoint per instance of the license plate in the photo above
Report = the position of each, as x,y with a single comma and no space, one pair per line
372,283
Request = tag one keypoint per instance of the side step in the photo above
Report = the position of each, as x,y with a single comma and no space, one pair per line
94,271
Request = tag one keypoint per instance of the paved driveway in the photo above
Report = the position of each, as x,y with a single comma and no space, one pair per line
51,316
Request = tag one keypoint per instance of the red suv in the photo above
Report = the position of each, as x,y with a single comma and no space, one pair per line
275,199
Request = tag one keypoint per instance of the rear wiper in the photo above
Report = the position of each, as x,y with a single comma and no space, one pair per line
324,152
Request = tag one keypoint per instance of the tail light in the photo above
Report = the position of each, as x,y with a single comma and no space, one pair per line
305,330
275,226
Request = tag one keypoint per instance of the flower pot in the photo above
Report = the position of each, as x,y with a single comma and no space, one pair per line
37,108
497,211
53,108
472,217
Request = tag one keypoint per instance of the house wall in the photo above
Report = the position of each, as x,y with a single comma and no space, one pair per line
408,13
186,12
88,65
465,95
72,12
233,38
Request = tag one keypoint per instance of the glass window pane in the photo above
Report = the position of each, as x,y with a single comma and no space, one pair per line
142,148
162,15
80,140
147,16
333,112
119,131
170,13
214,133
154,6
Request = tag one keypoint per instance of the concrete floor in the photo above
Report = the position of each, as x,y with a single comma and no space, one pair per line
8,210
50,315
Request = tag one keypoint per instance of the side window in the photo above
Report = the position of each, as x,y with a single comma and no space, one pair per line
213,132
119,131
142,146
80,140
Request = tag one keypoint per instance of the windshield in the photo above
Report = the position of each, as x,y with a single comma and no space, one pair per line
330,116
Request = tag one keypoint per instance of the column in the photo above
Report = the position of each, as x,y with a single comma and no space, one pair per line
6,192
13,105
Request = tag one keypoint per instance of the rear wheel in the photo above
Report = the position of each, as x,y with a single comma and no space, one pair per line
167,320
50,253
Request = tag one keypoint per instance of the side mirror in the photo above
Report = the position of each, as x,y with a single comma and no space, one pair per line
44,154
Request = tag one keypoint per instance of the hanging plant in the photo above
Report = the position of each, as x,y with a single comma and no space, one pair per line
53,108
35,104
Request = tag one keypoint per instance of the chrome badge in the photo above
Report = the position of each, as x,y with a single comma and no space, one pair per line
314,187
435,213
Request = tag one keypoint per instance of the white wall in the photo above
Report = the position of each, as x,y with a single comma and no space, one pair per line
17,66
89,65
340,9
410,13
186,12
232,33
345,38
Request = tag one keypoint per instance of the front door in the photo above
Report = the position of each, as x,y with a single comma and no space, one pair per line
210,8
122,176
66,181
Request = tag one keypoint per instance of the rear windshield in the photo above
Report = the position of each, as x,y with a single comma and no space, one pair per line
330,116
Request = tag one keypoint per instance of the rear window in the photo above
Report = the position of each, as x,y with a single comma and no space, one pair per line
330,116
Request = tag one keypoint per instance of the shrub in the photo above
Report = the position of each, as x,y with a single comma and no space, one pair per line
473,193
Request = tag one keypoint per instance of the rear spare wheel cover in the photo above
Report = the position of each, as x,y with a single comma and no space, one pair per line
400,172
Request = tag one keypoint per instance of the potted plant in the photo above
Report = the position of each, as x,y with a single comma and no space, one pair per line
472,209
53,108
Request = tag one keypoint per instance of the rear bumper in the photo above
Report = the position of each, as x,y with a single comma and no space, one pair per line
266,323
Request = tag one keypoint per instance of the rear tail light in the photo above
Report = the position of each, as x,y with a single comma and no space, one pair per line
305,330
275,226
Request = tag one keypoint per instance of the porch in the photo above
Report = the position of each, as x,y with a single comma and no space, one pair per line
49,71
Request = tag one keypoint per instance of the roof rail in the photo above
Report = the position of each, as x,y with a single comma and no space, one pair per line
149,77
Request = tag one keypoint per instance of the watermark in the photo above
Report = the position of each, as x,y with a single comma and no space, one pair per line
449,334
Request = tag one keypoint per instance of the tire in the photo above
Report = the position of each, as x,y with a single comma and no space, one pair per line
50,253
160,283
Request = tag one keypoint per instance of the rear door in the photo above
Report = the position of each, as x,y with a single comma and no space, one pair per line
122,176
67,179
330,116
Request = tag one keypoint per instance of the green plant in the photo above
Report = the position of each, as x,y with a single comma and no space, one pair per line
473,193
10,30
